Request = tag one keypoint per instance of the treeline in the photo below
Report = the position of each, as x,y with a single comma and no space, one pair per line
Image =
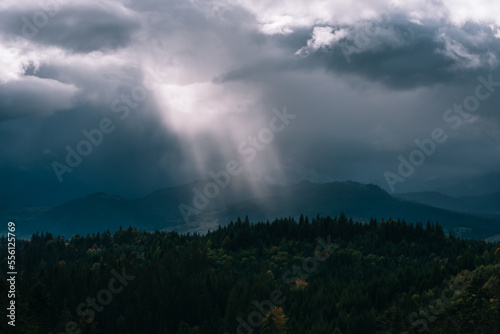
320,275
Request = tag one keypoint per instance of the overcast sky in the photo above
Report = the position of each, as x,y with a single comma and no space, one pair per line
179,86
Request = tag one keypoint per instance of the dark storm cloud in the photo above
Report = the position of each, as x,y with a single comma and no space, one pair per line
43,79
401,56
77,28
436,63
45,96
220,68
131,161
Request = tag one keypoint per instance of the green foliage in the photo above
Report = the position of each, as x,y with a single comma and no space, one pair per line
381,274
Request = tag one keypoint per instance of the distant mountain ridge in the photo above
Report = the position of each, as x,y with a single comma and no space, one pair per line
464,185
160,209
488,204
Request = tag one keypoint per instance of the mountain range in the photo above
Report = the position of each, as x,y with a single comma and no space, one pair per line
473,217
484,205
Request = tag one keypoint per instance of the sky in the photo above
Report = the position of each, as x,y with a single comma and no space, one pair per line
126,97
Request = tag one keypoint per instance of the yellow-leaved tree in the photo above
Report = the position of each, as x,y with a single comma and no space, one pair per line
274,322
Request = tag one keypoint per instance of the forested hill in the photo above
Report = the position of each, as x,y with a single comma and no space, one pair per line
174,209
321,275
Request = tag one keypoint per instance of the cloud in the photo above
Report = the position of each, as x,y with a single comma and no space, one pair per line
74,26
462,57
365,78
287,17
22,94
322,37
45,97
